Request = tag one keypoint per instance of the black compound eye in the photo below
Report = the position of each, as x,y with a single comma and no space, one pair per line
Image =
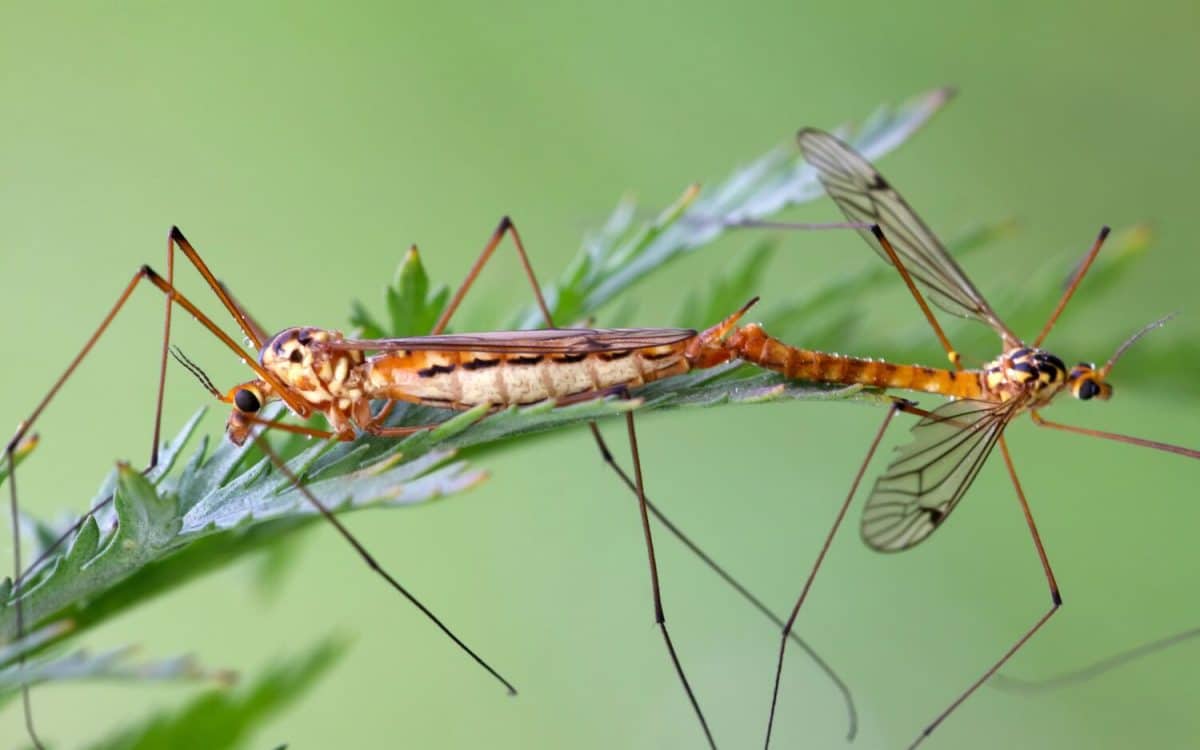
246,401
296,356
1087,389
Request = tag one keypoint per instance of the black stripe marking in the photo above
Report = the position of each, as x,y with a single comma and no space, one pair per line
480,364
570,358
432,370
613,356
661,355
532,360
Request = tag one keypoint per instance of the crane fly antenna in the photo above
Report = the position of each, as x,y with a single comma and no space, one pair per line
1133,339
195,370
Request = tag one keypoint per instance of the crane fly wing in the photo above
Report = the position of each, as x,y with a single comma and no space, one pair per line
865,196
925,482
540,341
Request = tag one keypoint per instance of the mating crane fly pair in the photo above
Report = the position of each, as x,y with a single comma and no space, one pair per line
314,370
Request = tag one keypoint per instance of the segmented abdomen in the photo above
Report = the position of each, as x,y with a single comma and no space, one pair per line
754,345
461,380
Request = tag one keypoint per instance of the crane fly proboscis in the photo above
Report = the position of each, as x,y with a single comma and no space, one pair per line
950,444
312,370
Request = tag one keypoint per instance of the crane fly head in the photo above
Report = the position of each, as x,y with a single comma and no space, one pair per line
247,400
306,375
1087,381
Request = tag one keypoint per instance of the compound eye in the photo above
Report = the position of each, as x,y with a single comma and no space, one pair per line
246,401
1087,389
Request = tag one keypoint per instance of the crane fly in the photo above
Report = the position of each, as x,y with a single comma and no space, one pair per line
314,370
925,482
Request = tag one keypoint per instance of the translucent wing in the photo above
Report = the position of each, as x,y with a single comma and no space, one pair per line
541,341
865,196
933,472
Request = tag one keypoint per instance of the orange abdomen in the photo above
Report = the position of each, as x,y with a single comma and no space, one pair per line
752,344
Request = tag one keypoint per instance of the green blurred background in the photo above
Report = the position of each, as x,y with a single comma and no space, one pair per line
302,148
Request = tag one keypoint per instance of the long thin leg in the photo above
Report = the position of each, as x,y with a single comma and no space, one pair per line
886,244
1168,447
736,585
249,324
1055,599
18,573
659,618
373,564
145,273
1076,278
506,226
173,297
837,522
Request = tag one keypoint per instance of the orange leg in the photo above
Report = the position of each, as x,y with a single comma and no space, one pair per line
145,273
886,244
248,323
1076,278
1055,599
253,331
1178,449
173,297
898,405
506,226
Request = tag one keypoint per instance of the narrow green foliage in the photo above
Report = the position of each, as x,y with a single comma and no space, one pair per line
116,557
111,666
224,718
412,308
624,252
731,291
179,522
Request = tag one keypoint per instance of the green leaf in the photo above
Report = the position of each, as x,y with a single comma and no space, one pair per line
177,523
226,718
622,254
732,290
90,579
113,666
412,308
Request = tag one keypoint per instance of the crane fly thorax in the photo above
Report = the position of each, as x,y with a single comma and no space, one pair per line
1028,373
315,373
